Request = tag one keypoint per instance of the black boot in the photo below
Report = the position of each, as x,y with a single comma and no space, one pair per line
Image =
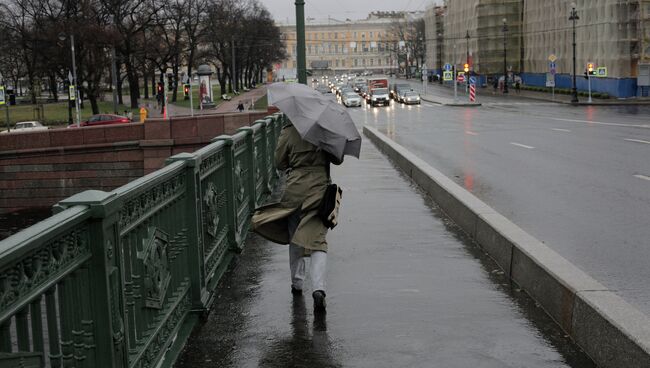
319,301
295,292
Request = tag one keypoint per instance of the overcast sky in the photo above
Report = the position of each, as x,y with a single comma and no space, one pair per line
339,9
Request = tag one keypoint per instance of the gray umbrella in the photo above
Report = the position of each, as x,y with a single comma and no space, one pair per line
319,120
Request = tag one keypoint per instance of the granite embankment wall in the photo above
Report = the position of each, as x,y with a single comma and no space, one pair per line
38,169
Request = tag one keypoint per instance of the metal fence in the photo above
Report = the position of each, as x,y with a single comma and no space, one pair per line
118,279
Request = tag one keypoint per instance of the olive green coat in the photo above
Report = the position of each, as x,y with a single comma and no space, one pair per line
307,180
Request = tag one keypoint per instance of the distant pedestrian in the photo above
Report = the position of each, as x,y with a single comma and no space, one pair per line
518,86
495,85
240,107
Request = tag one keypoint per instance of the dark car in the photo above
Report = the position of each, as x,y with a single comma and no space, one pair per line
395,87
103,119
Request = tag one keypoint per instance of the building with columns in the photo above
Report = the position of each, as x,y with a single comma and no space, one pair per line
335,46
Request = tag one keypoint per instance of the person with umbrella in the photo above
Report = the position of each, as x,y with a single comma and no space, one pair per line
308,144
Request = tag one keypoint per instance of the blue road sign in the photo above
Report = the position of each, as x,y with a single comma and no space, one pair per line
472,80
448,67
552,65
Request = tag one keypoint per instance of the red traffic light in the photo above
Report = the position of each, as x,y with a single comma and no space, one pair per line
186,89
160,87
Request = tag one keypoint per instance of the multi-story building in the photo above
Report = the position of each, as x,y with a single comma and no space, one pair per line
346,46
609,33
474,33
434,32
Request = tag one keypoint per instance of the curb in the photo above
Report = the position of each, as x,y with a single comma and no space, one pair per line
460,104
610,330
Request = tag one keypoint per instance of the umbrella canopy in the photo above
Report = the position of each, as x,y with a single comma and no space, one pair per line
320,121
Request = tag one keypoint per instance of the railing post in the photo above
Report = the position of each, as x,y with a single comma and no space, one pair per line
234,237
105,281
193,213
251,166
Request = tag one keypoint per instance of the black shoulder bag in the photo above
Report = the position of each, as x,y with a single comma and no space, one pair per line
328,211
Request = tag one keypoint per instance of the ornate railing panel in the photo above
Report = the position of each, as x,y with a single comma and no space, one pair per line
115,279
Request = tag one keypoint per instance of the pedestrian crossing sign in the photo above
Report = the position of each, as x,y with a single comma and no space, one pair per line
2,95
448,76
601,71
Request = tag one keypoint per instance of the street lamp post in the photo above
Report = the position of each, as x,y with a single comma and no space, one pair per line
440,56
467,37
574,17
62,37
300,42
505,56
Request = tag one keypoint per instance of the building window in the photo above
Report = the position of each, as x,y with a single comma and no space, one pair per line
355,35
337,63
372,62
309,49
336,35
336,48
371,34
363,62
356,62
322,36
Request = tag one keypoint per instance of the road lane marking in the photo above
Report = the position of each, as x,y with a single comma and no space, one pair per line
470,132
642,177
521,145
637,141
601,123
429,105
561,130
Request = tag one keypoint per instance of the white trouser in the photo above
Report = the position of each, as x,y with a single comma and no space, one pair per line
297,259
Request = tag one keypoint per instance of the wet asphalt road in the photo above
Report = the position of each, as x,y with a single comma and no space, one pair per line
405,289
577,178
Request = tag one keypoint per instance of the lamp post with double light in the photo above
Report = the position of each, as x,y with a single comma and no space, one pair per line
74,82
573,16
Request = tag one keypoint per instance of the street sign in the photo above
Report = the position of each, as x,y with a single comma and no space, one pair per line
71,92
472,80
461,77
448,67
448,76
601,72
3,100
552,58
552,65
550,80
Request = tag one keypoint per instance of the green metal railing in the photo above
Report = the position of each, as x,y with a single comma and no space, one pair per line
118,279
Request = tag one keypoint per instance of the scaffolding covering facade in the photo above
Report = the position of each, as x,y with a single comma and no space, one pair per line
608,34
483,21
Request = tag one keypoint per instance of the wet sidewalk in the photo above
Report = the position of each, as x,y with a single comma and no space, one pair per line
406,288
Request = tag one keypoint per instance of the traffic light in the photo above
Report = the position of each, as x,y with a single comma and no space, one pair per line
590,70
186,89
466,68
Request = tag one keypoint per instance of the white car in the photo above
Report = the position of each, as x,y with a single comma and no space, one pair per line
27,126
411,97
351,99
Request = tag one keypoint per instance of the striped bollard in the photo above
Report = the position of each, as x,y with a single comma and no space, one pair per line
472,93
